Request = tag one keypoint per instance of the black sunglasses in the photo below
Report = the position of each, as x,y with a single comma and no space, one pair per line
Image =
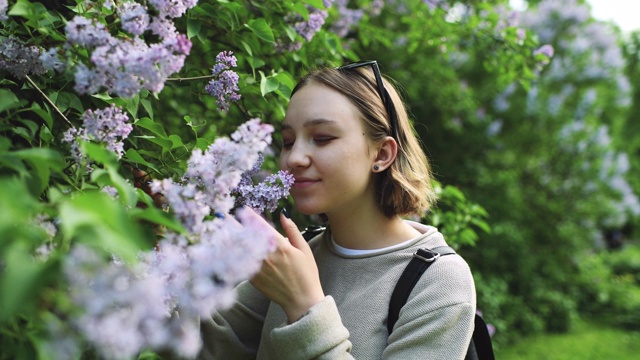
384,94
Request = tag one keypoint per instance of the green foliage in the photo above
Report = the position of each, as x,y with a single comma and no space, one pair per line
456,217
588,341
609,286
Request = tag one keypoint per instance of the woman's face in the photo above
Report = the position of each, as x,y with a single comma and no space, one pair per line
325,148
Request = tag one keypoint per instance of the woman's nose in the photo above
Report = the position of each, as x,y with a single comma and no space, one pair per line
298,156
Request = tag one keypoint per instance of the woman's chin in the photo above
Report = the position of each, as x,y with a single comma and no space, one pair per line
307,208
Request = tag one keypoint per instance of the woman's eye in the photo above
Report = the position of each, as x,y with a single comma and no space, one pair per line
287,144
322,139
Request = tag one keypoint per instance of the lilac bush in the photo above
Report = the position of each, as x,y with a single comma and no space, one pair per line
154,304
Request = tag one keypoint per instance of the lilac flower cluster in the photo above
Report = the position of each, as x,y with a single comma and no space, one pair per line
224,85
134,18
434,4
567,25
4,4
18,59
124,66
305,28
108,126
155,304
44,223
348,18
265,195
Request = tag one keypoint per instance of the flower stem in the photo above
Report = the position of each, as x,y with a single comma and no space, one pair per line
48,100
191,78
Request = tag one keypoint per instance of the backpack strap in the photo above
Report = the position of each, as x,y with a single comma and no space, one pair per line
480,347
311,231
422,259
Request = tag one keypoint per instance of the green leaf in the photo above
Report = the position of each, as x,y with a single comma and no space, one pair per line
268,84
193,27
319,4
165,144
151,125
146,104
42,161
98,153
301,9
8,100
133,156
44,114
20,280
154,215
95,219
261,28
177,142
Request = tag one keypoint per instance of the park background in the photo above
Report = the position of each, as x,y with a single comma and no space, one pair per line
529,117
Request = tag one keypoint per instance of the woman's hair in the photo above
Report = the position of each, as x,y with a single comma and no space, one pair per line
405,187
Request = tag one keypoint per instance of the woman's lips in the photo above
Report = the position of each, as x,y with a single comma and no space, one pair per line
302,183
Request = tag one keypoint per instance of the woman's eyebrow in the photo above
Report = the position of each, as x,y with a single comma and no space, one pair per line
310,123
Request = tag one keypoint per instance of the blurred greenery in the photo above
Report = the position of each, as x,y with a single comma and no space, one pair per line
588,341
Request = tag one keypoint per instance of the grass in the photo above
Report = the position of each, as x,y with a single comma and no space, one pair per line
586,341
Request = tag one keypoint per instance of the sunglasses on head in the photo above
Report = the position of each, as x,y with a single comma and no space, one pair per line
384,95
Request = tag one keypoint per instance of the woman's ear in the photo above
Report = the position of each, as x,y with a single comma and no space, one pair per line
386,154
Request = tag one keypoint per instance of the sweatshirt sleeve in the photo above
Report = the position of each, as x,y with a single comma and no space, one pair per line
319,334
438,319
235,333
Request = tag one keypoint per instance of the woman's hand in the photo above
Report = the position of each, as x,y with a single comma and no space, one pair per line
289,275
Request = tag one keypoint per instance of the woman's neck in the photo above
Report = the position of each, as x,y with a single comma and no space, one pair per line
364,230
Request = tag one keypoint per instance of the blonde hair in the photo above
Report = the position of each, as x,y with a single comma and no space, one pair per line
405,188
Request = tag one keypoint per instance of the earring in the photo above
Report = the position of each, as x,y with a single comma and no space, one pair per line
376,167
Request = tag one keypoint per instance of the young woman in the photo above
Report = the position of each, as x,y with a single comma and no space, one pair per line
348,142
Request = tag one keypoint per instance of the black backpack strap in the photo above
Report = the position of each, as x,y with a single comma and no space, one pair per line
480,347
482,340
422,259
311,231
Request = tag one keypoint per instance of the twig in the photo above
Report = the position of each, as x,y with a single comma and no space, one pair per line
191,78
49,101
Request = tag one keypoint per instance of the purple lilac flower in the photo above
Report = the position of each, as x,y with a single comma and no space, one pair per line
154,304
3,10
546,50
126,66
265,195
134,18
434,4
348,18
108,126
163,27
307,29
18,59
224,85
85,32
50,60
173,8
